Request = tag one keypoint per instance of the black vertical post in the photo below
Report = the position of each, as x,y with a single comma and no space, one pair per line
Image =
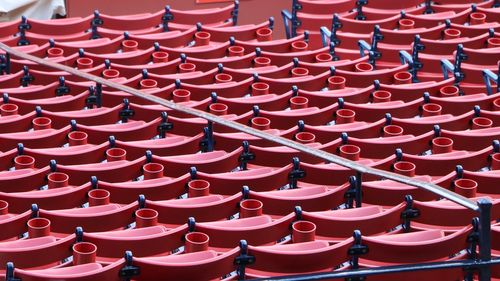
484,237
359,193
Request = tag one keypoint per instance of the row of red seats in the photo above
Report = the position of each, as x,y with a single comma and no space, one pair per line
58,153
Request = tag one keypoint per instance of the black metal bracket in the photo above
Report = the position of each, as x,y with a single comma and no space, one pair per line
413,62
207,143
245,156
359,9
354,193
149,156
356,250
344,137
95,33
164,125
332,53
373,52
332,33
455,68
129,270
94,98
350,193
460,56
126,112
94,182
296,173
141,201
97,19
34,211
22,27
22,39
62,89
74,125
5,64
409,213
20,148
9,272
235,12
167,16
78,234
484,205
428,7
473,239
193,173
336,25
245,193
271,23
94,24
290,19
53,165
27,78
38,111
243,260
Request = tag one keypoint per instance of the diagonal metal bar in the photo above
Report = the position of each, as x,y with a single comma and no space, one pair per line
442,192
405,268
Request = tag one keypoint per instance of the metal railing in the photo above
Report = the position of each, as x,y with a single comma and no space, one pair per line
483,206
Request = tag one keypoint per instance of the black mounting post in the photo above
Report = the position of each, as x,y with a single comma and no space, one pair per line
97,19
207,143
409,213
296,6
359,193
22,27
27,78
473,241
235,12
296,173
62,89
428,8
129,270
34,211
5,64
96,22
9,272
484,237
359,9
350,193
243,260
164,125
356,250
94,98
126,112
245,156
167,16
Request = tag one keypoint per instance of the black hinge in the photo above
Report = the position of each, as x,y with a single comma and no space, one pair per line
126,112
62,89
243,260
5,64
409,213
245,156
296,173
27,77
164,125
129,270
